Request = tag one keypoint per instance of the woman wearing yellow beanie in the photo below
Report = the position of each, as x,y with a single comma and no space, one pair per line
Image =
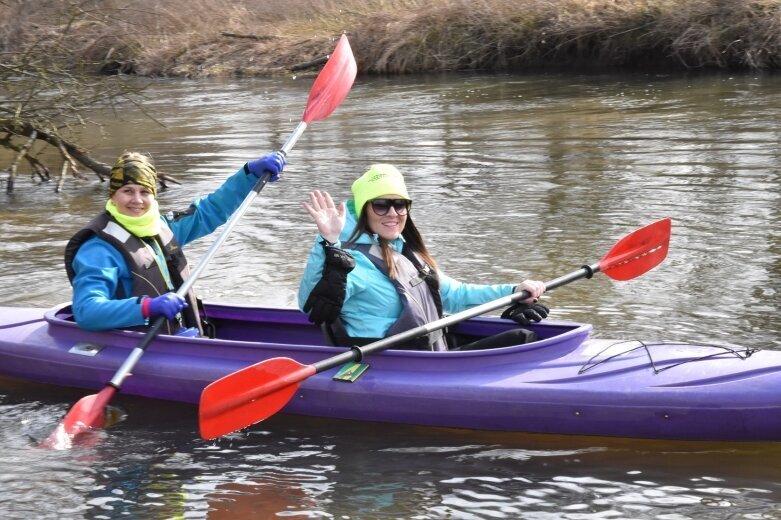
126,264
369,274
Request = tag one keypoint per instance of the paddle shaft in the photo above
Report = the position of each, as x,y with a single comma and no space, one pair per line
130,362
357,353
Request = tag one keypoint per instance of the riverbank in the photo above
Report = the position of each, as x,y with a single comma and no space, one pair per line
208,38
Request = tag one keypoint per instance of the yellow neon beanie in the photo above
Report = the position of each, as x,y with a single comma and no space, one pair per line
381,179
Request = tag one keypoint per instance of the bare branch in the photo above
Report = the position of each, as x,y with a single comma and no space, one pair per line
248,36
63,173
67,157
19,156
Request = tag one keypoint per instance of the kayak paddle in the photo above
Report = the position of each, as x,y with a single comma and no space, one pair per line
331,86
259,391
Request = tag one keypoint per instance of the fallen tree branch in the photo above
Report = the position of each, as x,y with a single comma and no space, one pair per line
71,153
248,36
102,170
310,64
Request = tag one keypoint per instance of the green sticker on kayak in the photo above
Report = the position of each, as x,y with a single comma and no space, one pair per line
350,372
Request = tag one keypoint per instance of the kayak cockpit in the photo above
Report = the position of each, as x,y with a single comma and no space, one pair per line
287,326
235,323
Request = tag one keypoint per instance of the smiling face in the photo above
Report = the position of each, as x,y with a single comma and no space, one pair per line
389,225
133,200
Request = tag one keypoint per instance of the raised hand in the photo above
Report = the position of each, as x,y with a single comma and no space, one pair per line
328,217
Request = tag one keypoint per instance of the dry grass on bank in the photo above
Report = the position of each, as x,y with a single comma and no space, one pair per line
187,37
514,34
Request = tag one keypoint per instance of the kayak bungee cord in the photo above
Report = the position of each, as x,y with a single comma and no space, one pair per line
739,352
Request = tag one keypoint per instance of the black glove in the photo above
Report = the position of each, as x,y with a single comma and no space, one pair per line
525,313
326,299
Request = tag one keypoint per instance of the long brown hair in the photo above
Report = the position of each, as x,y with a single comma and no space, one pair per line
412,238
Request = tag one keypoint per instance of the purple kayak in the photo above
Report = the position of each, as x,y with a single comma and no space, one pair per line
564,383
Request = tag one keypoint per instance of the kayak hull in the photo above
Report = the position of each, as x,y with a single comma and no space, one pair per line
565,383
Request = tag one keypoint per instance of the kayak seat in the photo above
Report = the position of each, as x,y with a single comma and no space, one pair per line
328,334
503,339
459,342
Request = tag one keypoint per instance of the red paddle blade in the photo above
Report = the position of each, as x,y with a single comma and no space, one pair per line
249,395
332,84
638,252
87,414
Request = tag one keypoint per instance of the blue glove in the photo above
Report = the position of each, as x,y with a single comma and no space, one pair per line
272,163
168,305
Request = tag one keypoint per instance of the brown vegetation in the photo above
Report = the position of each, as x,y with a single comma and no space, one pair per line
197,38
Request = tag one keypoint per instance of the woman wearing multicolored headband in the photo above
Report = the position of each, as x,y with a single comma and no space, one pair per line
127,263
370,275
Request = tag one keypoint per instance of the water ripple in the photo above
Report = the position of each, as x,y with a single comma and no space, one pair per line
513,177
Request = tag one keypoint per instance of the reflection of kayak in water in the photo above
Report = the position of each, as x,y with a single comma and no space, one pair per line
563,383
260,496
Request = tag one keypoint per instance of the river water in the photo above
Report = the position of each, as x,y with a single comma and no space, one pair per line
512,177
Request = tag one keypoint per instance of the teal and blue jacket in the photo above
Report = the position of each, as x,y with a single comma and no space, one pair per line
100,269
372,304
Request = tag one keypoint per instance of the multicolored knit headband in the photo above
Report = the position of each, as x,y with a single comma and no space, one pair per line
133,171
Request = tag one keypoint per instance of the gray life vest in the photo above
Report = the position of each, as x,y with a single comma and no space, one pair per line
418,288
148,279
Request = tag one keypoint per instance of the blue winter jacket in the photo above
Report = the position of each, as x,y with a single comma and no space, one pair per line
372,304
100,267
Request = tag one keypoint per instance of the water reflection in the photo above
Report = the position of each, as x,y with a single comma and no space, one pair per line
153,466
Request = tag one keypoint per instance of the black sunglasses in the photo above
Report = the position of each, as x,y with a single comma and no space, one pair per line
382,206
